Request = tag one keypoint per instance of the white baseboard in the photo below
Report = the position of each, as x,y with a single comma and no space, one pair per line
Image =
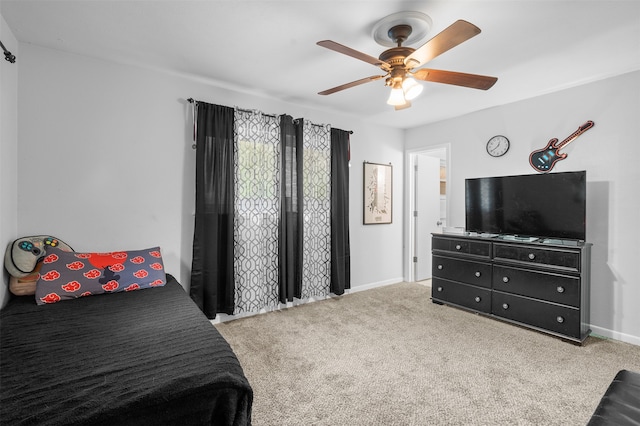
374,285
611,334
225,317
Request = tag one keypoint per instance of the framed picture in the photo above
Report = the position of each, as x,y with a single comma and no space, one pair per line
378,196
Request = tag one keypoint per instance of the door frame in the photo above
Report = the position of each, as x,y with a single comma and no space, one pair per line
410,202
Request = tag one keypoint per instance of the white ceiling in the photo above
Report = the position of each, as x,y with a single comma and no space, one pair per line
268,47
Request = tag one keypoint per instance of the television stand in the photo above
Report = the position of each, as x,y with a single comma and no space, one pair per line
541,284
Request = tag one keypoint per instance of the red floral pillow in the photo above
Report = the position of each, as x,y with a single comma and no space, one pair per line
69,275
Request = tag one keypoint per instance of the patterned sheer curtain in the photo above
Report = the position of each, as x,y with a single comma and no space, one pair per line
278,259
257,210
274,241
316,196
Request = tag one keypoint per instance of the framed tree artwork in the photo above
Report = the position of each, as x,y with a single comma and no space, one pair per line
378,193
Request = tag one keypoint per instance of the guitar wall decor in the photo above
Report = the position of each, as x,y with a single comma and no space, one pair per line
544,159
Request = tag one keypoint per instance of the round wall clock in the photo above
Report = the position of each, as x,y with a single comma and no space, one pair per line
498,146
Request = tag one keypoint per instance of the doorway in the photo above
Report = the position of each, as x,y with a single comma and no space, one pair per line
428,207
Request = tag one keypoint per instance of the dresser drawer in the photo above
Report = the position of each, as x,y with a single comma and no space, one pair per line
548,316
467,296
567,260
465,271
461,246
547,286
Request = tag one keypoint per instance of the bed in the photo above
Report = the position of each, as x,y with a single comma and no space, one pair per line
146,357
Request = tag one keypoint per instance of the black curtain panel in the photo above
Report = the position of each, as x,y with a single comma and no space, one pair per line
290,242
212,280
340,250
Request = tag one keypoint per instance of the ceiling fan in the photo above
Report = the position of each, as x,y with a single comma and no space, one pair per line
400,63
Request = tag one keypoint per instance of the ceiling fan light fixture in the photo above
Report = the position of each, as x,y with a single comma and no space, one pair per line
400,62
396,97
411,88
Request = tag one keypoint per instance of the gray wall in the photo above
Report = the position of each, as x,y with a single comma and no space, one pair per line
8,147
609,153
105,160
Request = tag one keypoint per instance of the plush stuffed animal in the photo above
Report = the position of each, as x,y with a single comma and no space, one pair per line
22,260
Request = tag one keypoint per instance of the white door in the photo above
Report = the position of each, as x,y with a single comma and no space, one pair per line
427,212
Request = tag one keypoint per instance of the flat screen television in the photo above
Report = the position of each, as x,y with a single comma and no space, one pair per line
550,205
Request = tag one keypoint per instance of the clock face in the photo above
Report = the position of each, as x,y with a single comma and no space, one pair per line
498,146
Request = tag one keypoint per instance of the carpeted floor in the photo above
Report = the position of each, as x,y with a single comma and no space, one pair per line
389,356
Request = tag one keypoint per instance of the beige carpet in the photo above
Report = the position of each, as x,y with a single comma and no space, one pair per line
389,356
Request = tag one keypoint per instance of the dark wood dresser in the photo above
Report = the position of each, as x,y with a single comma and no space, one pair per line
541,284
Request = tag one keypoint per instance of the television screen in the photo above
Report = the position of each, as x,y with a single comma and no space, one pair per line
551,205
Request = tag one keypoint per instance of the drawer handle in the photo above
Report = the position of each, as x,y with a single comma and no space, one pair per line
478,299
560,289
478,274
505,306
440,267
439,288
505,279
458,246
560,319
532,256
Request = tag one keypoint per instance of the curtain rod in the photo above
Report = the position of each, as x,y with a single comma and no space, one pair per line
323,125
193,101
253,111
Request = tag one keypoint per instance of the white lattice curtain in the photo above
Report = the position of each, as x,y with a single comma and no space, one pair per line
268,227
257,210
316,200
259,188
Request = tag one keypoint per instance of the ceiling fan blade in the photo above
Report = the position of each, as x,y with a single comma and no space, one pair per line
474,81
352,84
455,34
332,45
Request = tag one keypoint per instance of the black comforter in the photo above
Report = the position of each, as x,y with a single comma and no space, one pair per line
147,357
